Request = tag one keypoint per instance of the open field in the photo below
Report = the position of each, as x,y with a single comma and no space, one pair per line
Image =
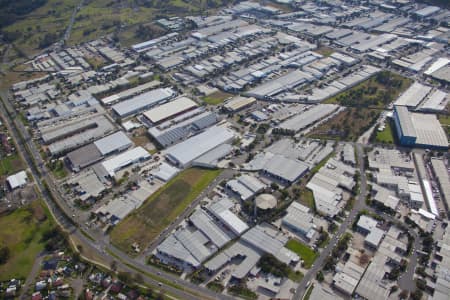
21,231
307,254
348,125
325,51
376,92
46,22
158,211
306,198
216,98
386,136
445,120
10,165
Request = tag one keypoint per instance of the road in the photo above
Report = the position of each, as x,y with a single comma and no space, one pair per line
359,205
62,212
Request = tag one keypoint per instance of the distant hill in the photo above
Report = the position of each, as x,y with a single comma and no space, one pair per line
10,11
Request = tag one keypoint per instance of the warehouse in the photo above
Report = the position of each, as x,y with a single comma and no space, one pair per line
413,96
169,110
271,88
184,153
271,241
300,220
17,180
94,152
83,157
100,127
309,117
284,169
212,158
179,128
130,92
245,186
222,211
142,102
238,103
125,159
416,129
435,102
116,142
440,171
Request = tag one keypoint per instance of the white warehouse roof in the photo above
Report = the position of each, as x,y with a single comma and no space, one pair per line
17,180
185,152
142,101
167,110
122,160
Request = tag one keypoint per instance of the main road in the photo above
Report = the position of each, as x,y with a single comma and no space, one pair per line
62,213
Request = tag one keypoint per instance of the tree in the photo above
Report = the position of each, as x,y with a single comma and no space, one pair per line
364,259
320,276
416,295
4,254
403,294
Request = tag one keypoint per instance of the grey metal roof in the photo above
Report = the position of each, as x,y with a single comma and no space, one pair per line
142,101
113,142
213,231
186,152
84,156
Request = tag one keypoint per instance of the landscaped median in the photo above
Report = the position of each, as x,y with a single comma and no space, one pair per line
162,208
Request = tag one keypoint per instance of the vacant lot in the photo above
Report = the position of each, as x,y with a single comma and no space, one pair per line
387,135
348,125
376,92
216,98
10,165
147,222
307,254
21,231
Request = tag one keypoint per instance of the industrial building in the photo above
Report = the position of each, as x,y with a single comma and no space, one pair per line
94,152
421,130
206,233
413,96
142,102
125,159
169,110
17,180
308,117
184,153
180,128
299,220
328,186
245,186
238,103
